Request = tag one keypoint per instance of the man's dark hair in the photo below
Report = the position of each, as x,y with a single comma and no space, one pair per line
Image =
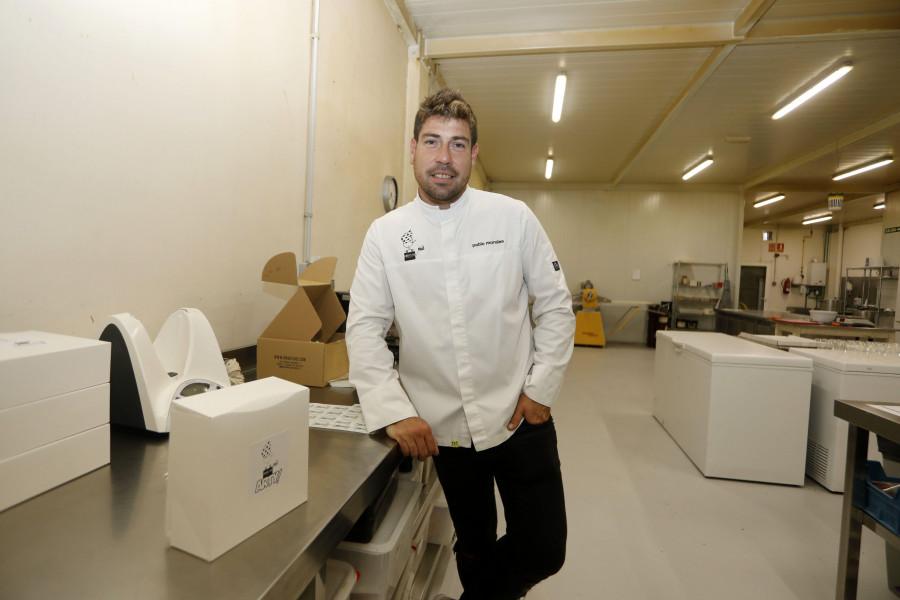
449,104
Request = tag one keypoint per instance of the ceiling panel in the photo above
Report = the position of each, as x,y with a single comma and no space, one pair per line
642,105
610,99
740,97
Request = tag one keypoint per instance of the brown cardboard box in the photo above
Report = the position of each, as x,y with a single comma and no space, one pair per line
301,343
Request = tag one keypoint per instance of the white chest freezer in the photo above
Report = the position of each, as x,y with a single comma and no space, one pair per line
842,376
739,410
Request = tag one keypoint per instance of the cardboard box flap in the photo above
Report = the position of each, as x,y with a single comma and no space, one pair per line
329,309
281,268
296,321
320,271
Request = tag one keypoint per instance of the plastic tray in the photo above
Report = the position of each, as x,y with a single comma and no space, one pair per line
882,506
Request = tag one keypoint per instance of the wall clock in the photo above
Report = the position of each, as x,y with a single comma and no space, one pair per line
389,193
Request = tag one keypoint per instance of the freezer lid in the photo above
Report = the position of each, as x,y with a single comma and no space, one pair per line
780,341
722,349
850,362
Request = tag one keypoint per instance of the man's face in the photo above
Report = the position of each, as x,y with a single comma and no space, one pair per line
442,160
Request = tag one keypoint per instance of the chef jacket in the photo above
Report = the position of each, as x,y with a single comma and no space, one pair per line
456,282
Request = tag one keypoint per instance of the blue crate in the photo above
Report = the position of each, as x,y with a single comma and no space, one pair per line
880,505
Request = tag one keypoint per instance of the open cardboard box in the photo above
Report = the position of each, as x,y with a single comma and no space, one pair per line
302,344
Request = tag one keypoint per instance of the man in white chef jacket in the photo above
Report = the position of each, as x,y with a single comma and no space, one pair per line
454,270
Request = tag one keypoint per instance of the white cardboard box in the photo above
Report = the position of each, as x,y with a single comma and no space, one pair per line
36,365
31,473
32,425
238,460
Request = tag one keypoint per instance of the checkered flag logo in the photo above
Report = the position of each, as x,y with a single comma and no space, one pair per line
267,450
408,240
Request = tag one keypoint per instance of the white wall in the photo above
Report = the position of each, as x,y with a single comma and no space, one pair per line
151,158
801,246
606,236
153,154
861,242
360,126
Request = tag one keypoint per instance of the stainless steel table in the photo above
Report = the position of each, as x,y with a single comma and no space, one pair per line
862,418
733,321
103,535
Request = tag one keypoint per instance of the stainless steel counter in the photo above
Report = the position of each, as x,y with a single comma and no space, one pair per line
734,321
103,535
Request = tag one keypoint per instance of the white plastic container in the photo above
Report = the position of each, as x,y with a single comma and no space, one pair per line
340,578
739,410
380,562
440,528
842,376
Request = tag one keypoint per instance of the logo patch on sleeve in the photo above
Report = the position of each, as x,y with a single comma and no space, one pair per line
556,265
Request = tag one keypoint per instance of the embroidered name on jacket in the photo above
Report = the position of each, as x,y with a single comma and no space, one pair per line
489,243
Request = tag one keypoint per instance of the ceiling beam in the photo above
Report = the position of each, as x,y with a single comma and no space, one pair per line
715,58
582,40
825,150
405,24
826,187
823,28
750,16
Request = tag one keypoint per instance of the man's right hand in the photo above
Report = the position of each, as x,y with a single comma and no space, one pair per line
414,437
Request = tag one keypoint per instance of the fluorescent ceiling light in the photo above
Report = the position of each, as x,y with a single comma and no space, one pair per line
548,171
558,96
879,205
878,162
698,167
768,201
815,89
816,219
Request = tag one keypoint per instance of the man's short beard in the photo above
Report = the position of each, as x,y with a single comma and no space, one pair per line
444,195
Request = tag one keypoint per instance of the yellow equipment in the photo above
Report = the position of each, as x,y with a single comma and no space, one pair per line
588,321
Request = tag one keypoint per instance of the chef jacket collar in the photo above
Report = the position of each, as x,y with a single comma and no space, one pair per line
436,213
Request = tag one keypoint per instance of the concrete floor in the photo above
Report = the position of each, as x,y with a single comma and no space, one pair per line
645,524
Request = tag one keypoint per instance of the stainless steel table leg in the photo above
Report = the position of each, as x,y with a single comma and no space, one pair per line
851,526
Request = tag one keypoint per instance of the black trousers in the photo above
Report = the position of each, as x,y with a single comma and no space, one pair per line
526,469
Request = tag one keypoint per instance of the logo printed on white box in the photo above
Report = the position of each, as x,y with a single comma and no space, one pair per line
268,462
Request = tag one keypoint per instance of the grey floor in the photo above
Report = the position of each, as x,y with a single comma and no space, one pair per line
645,524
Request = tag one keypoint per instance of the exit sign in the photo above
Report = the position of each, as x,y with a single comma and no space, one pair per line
773,247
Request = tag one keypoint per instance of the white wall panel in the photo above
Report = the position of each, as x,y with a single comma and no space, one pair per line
861,242
360,127
151,158
606,236
154,154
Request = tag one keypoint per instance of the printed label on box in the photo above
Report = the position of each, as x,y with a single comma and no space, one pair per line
289,362
268,462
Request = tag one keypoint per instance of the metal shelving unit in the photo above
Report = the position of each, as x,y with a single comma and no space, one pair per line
696,290
868,284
